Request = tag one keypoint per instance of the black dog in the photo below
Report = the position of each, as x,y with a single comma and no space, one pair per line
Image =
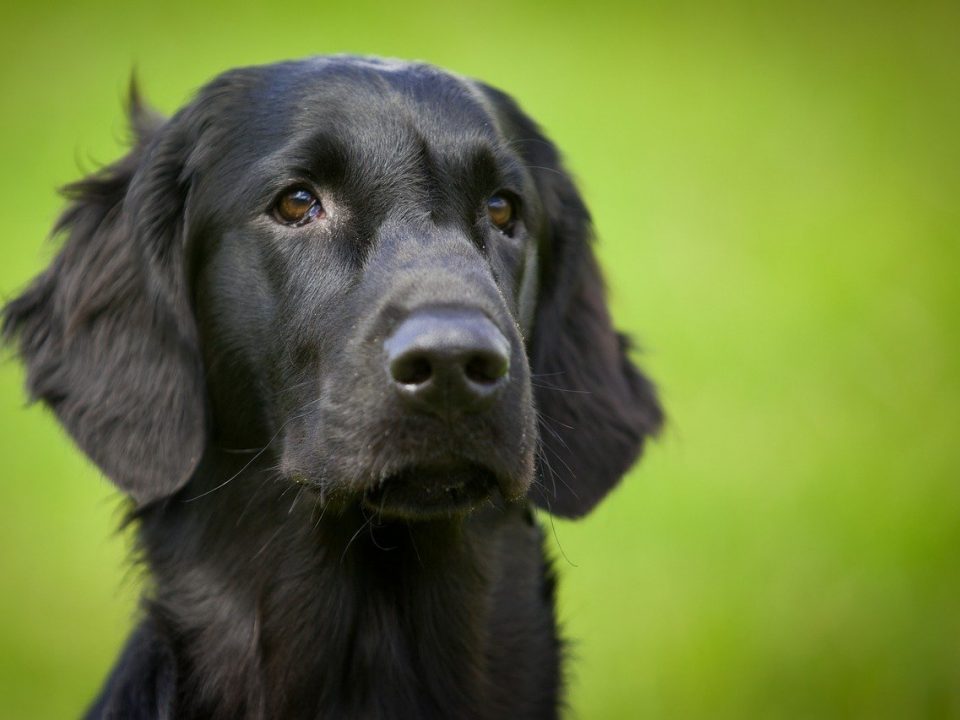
335,327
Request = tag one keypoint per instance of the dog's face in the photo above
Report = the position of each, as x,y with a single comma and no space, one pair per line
378,271
363,254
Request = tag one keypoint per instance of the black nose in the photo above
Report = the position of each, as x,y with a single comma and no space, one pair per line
448,361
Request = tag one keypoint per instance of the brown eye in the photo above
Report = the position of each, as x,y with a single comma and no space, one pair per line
297,207
500,212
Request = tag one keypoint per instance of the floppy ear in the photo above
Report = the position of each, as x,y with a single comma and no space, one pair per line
595,407
106,332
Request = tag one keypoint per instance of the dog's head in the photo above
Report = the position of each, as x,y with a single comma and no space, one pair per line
378,271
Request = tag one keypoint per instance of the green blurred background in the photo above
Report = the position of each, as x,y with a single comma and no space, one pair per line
776,195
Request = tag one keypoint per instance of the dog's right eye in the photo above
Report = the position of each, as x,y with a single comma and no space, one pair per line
297,206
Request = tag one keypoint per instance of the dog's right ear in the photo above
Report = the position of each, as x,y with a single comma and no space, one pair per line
106,332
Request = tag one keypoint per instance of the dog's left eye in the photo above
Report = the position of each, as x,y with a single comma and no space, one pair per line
501,213
297,206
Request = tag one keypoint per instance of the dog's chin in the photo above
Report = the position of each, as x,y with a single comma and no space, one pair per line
432,491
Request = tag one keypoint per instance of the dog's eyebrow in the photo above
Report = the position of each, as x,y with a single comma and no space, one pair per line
320,158
514,173
491,168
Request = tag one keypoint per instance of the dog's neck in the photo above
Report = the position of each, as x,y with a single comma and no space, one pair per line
342,616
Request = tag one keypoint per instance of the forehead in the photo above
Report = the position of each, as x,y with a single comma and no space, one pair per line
362,106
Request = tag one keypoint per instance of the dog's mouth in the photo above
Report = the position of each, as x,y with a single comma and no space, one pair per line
423,492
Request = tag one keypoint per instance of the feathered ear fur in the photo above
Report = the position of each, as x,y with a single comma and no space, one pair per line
106,332
596,409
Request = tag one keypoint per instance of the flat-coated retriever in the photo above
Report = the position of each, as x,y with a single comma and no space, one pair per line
335,327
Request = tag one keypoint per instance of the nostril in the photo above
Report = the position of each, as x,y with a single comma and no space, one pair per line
486,368
447,361
411,369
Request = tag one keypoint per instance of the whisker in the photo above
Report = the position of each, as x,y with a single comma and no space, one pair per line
560,389
296,499
545,461
556,538
541,491
323,510
241,470
269,540
545,421
546,447
253,496
540,141
547,169
569,470
413,541
355,536
376,544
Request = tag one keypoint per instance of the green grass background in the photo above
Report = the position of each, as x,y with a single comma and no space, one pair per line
776,194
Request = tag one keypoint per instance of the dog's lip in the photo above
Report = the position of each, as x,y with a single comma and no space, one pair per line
427,491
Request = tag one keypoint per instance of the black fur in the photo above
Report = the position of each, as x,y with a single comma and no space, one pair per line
226,371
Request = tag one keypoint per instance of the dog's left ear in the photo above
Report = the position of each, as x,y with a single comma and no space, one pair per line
106,331
595,407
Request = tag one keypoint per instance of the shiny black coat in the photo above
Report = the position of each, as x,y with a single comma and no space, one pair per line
317,544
